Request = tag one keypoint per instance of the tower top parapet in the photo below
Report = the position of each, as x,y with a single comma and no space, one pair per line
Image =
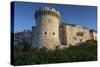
46,11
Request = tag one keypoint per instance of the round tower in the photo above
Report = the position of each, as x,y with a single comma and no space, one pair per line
47,28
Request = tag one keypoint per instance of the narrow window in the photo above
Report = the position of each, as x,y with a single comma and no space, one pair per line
49,20
53,33
74,38
45,33
80,40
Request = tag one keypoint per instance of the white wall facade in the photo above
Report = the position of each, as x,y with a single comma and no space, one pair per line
73,35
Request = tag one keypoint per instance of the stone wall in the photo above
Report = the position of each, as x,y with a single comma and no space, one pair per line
73,35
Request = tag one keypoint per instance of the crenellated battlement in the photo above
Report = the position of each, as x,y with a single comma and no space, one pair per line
46,11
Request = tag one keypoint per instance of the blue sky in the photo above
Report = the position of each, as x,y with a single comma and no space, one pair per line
85,16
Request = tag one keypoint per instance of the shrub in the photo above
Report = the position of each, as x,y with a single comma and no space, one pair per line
87,51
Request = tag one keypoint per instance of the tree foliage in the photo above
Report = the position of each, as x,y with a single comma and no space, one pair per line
86,51
22,46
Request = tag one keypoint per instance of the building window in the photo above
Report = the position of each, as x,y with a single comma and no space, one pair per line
57,47
53,33
49,20
79,33
45,33
74,38
80,40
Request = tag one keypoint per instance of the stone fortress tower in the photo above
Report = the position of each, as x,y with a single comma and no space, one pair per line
47,28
